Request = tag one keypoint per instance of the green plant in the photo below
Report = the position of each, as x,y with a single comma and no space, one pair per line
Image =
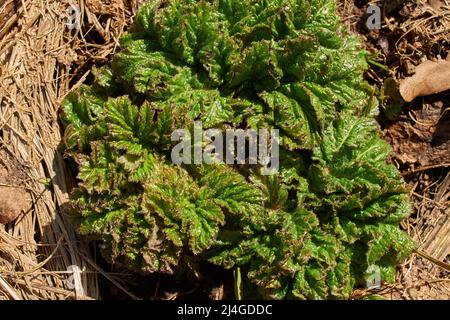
310,231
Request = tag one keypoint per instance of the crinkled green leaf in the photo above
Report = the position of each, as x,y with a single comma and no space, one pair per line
316,228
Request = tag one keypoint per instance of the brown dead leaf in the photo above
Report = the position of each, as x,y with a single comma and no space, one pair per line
430,78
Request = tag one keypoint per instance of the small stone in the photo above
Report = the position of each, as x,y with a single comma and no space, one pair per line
12,202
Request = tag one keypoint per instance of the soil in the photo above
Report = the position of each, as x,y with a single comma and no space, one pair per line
421,136
14,200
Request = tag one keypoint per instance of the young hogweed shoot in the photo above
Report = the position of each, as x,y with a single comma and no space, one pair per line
312,230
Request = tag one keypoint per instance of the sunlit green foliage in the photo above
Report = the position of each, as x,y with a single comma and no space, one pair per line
312,230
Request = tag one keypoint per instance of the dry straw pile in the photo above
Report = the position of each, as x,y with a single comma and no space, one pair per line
41,60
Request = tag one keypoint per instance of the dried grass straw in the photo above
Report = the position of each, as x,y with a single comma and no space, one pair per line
39,60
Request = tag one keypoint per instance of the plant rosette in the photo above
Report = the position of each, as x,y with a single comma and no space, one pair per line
314,229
